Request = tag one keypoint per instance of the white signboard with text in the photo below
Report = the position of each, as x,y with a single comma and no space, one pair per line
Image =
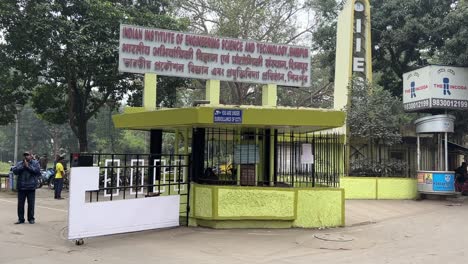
436,87
171,53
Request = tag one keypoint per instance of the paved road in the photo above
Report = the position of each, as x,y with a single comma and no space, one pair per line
377,232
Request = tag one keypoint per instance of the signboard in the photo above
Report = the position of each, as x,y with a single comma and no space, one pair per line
227,116
434,182
171,53
440,87
306,154
443,182
359,51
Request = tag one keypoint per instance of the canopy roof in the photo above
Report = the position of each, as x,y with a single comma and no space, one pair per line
281,118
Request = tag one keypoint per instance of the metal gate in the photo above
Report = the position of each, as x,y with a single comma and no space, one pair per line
136,176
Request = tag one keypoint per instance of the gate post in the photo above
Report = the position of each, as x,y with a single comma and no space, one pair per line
198,153
155,154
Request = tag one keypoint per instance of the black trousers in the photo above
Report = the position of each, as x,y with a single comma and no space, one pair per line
30,195
58,184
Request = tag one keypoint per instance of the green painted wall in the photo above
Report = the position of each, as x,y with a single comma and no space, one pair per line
359,187
255,203
203,201
267,207
397,188
320,208
379,188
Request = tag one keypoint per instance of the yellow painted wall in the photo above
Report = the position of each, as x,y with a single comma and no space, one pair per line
359,187
320,208
255,203
266,207
397,188
203,202
379,188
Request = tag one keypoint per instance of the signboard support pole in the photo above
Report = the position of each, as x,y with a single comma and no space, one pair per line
149,92
269,96
212,91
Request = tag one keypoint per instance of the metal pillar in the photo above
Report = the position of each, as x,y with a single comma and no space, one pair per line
446,152
266,157
198,153
418,156
155,154
15,158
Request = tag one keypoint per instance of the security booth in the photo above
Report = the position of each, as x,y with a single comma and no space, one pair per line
253,173
439,180
436,90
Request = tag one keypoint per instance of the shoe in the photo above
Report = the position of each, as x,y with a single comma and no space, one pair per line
60,198
19,222
32,222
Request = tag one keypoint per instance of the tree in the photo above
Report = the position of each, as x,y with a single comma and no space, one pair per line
374,118
269,21
408,35
455,49
405,34
10,93
374,114
67,50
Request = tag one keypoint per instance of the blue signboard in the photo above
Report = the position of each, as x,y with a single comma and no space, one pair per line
443,182
227,116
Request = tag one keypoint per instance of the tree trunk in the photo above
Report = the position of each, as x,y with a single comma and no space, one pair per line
83,135
57,137
77,114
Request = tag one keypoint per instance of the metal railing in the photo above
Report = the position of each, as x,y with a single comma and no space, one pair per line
242,157
310,160
383,161
4,182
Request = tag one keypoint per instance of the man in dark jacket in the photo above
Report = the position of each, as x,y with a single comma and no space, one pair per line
461,173
28,170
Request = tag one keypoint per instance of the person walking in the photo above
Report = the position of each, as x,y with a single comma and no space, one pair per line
28,171
58,181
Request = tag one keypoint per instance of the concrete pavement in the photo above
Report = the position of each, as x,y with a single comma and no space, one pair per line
378,232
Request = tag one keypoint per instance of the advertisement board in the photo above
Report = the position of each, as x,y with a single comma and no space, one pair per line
435,87
443,182
171,53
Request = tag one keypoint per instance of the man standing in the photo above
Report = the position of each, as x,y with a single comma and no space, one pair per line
58,181
28,171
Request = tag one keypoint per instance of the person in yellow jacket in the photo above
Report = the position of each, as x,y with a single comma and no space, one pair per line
58,181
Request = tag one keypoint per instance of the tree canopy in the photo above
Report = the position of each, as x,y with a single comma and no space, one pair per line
374,113
67,52
283,21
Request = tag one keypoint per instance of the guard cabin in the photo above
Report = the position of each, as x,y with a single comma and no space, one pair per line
232,165
250,166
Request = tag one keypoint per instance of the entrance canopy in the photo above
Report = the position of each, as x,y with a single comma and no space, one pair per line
283,119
